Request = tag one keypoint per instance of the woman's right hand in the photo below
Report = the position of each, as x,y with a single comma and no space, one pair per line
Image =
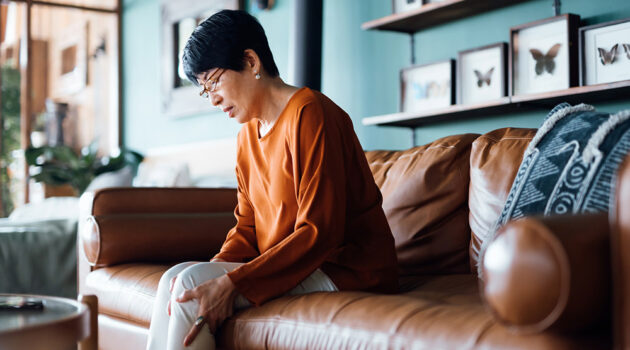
172,285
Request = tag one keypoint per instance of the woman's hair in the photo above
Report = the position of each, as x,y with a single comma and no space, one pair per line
221,40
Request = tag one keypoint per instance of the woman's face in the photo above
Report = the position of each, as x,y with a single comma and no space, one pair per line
232,91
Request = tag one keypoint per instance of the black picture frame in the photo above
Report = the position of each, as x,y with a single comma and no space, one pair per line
402,6
572,24
582,51
452,85
426,2
503,79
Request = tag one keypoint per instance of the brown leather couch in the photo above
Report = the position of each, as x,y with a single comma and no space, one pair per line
441,201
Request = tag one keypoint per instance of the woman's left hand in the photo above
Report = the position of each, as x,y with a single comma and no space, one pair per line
216,303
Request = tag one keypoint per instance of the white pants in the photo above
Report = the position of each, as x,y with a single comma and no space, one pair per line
169,332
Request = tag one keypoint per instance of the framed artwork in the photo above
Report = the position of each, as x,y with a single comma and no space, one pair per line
427,86
543,55
399,6
179,18
605,52
70,60
482,74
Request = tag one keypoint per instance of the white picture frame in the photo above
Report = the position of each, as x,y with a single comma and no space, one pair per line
543,55
70,62
482,74
427,86
182,100
399,6
605,52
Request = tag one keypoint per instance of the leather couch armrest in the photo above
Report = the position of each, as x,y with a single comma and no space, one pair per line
83,265
124,225
621,256
549,272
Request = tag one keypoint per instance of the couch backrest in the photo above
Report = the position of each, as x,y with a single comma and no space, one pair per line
425,199
494,160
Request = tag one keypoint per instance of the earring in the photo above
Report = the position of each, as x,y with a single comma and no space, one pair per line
257,76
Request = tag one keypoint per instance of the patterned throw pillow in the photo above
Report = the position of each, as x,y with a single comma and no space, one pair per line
569,165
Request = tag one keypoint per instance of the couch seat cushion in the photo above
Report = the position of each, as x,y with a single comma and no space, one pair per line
442,312
126,291
436,312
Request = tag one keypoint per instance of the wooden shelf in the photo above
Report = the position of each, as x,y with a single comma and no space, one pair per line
449,10
588,94
454,112
434,14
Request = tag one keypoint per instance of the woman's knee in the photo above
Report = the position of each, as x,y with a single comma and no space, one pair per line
172,272
194,275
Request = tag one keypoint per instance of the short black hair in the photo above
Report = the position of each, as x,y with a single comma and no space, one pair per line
221,40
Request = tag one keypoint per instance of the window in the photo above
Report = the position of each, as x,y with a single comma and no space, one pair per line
72,74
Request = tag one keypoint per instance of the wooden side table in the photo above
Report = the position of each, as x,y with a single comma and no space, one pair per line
60,325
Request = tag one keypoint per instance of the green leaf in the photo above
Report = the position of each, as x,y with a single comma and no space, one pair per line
58,165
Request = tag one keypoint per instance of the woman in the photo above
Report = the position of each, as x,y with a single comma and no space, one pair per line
309,215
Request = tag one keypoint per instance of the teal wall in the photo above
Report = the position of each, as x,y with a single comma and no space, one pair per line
144,126
360,68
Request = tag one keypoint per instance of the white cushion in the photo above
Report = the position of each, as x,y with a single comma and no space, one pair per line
49,208
162,175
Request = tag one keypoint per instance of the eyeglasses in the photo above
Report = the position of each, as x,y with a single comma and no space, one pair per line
213,84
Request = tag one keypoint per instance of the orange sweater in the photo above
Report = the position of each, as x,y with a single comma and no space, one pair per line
307,200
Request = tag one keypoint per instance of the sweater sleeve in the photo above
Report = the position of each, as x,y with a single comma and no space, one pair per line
240,244
319,179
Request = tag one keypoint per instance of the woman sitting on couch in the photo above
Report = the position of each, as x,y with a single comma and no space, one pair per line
309,215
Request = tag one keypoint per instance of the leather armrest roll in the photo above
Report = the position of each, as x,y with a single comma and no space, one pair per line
155,224
127,200
549,273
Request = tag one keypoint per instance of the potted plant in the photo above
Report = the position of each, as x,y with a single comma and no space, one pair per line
60,165
9,134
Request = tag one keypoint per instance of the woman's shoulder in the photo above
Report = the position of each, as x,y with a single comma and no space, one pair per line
303,107
302,97
308,102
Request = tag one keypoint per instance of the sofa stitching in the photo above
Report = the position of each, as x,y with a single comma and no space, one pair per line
391,337
130,320
484,330
460,171
414,153
286,305
149,275
505,138
129,289
411,314
332,319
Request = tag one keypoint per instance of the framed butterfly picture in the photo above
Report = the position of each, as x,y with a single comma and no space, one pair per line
605,52
482,74
399,6
427,86
544,55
